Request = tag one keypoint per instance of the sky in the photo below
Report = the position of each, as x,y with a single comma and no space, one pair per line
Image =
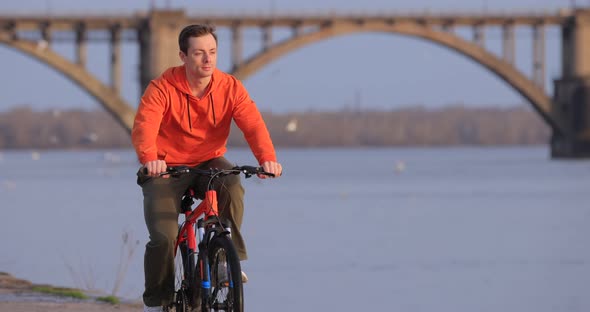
366,71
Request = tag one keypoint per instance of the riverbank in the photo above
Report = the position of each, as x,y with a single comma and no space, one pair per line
458,125
18,295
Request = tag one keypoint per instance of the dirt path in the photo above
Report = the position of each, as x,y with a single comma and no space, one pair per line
17,295
42,306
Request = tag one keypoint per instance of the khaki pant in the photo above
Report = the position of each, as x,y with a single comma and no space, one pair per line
161,206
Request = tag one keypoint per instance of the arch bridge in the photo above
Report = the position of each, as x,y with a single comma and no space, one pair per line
567,111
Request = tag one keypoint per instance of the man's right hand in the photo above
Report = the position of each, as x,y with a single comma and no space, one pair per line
155,167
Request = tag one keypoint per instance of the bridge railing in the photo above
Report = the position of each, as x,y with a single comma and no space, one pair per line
299,13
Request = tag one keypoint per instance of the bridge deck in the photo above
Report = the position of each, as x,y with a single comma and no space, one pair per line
23,22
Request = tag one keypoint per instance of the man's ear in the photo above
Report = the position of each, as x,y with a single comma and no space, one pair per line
181,55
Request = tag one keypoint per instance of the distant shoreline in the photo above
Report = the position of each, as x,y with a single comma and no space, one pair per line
23,128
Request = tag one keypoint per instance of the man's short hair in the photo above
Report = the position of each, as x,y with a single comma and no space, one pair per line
197,30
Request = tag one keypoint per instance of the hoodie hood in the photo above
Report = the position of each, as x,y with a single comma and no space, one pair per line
176,76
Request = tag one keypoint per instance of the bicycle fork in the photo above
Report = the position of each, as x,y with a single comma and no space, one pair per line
204,268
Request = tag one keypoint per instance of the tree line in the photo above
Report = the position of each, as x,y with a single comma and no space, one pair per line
25,128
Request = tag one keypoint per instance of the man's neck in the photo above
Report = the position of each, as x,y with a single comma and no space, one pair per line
198,85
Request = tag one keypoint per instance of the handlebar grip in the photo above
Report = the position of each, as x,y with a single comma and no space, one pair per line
144,170
251,170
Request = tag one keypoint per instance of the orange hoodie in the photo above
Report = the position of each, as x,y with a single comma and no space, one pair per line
181,129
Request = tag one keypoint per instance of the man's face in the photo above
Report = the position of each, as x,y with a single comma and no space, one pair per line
201,57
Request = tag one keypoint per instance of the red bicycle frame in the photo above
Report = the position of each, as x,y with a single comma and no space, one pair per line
208,207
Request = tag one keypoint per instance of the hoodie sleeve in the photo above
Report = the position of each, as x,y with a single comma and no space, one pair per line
147,123
249,120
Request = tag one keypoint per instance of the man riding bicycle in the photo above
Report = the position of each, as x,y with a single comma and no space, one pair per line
184,118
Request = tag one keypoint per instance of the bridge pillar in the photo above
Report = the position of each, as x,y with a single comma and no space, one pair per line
267,36
571,100
479,35
539,55
116,58
158,43
46,35
81,44
508,44
237,46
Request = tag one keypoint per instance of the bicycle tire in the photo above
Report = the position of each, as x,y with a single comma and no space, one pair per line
181,304
225,295
185,285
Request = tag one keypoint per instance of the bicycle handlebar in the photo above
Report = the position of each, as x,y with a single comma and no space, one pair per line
248,171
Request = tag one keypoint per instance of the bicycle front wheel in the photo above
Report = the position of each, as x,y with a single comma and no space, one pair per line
226,276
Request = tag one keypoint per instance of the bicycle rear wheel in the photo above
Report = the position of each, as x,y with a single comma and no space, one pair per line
226,276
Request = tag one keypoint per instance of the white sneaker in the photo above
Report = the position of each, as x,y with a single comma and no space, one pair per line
222,274
152,309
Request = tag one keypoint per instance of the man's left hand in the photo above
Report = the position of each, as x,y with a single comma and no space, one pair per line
271,167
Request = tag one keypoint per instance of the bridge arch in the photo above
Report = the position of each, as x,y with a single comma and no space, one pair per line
110,100
540,101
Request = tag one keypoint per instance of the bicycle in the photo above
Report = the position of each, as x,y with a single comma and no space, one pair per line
214,280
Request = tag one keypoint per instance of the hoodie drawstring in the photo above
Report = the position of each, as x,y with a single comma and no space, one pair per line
212,108
188,109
